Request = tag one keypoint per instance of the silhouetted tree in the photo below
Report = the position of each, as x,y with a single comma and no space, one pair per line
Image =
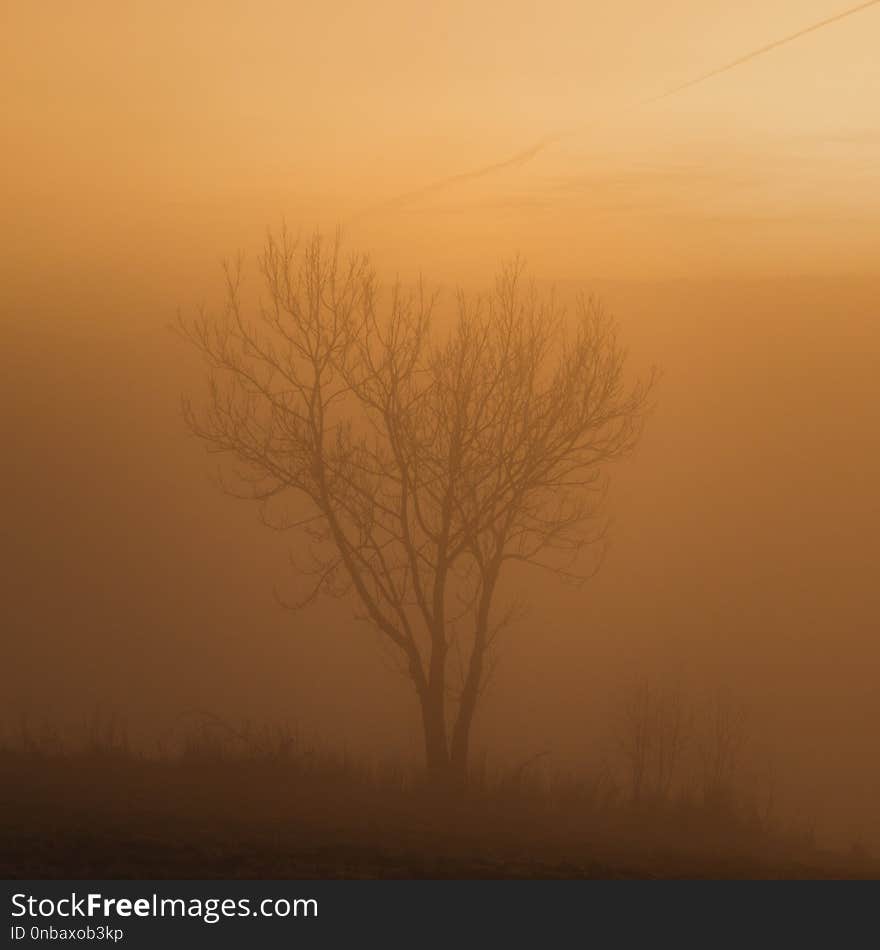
722,744
431,456
653,733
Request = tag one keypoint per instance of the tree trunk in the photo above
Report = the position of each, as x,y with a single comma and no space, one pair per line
436,747
461,735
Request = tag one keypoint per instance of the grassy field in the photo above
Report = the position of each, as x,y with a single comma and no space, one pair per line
273,809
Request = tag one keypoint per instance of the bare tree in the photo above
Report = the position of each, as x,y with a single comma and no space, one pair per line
721,746
653,734
430,457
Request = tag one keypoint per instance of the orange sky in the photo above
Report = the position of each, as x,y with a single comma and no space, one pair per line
149,124
143,140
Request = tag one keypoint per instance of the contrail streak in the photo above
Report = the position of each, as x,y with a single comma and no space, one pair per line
760,52
441,184
526,155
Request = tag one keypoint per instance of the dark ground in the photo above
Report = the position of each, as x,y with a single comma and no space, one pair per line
119,815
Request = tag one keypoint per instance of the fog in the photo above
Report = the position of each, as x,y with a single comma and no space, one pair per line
731,230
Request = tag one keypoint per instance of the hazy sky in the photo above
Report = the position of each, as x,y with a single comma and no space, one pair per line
167,121
143,140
